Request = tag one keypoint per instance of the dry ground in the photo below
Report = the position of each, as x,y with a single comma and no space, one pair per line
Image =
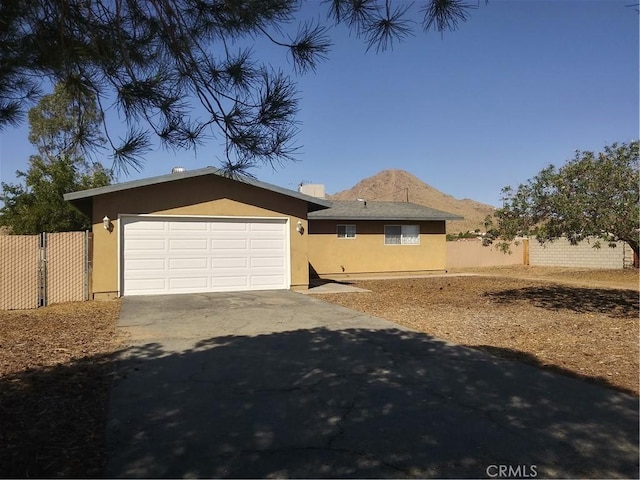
55,362
621,279
55,365
569,321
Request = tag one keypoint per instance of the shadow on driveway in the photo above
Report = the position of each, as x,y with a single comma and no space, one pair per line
355,401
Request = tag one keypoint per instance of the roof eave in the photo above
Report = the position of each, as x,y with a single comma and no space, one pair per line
314,203
386,219
83,205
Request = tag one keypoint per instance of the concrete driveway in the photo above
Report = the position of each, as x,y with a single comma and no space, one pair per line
278,384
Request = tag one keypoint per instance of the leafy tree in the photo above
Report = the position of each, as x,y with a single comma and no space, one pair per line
593,196
157,60
66,125
38,204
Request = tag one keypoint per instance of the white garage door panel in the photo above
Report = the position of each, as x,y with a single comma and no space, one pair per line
230,244
188,245
265,244
230,282
147,264
145,226
187,227
173,255
146,284
188,283
230,227
231,262
263,280
146,244
176,264
264,227
267,262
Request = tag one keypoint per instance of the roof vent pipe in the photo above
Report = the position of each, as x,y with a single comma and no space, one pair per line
178,170
364,201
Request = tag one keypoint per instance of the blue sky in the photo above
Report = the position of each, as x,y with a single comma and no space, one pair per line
521,85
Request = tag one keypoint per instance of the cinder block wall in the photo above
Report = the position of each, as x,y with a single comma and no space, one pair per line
562,254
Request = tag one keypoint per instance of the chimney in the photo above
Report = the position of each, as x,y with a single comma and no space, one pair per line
312,189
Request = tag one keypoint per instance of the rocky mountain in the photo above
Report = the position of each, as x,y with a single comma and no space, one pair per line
401,186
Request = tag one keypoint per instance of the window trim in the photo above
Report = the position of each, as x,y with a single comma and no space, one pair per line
347,228
402,235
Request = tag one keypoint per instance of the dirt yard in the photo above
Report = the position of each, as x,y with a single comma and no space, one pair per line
621,279
55,365
55,362
579,323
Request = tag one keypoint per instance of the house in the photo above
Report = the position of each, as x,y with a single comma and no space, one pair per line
364,237
198,231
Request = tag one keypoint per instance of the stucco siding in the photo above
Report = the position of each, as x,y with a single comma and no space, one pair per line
471,253
200,196
367,252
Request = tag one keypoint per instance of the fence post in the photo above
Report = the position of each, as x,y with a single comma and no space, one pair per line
525,251
86,265
42,269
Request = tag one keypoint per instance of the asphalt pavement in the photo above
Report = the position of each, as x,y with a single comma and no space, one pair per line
283,385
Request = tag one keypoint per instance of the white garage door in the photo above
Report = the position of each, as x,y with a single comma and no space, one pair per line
187,255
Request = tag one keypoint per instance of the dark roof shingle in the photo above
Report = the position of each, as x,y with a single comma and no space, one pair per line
360,210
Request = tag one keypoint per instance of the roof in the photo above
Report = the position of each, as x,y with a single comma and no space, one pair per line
81,197
361,210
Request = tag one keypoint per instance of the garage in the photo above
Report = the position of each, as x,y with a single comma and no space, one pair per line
195,231
167,255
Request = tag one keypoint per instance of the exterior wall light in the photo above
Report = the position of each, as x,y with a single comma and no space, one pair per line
299,227
106,223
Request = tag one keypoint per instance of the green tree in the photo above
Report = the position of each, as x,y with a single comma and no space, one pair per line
163,62
593,196
64,124
38,205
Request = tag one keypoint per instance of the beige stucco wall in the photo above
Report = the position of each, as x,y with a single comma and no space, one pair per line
207,196
367,253
471,253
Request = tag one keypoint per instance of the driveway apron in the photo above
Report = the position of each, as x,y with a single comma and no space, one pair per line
278,384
